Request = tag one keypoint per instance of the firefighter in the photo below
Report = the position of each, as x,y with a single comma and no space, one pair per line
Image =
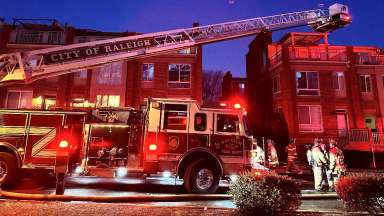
337,166
325,168
319,162
309,155
258,154
292,157
273,159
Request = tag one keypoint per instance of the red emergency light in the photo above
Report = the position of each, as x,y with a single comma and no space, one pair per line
237,106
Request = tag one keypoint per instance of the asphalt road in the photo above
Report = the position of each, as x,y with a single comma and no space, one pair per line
96,186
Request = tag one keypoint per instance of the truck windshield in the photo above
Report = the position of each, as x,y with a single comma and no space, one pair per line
246,126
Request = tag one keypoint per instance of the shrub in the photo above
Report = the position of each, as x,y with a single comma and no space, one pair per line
264,194
362,192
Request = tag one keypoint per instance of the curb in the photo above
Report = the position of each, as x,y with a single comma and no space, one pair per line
140,198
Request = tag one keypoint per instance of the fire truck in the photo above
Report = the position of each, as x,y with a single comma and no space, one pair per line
173,136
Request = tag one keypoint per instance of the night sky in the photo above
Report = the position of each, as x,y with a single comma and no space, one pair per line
159,15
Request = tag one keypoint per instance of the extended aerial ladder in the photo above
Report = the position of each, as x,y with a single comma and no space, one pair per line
26,67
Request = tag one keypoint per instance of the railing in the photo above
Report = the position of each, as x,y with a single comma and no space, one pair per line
311,54
317,54
363,135
367,59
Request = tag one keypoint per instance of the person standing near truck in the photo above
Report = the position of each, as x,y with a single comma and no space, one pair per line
273,159
336,166
292,157
319,162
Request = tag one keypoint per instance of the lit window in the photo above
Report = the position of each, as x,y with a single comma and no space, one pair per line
148,72
110,74
179,76
175,116
49,102
307,83
107,101
19,99
276,84
226,123
365,83
242,88
310,118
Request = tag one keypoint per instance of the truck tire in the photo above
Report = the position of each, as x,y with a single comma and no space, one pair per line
201,177
60,183
8,169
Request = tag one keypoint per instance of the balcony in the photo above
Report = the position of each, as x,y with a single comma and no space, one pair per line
317,54
369,59
362,139
311,54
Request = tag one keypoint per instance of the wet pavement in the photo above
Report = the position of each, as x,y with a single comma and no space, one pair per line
96,186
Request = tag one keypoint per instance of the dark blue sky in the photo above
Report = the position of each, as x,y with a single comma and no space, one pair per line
158,15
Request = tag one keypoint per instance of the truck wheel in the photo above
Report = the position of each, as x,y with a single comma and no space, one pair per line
8,168
201,177
60,183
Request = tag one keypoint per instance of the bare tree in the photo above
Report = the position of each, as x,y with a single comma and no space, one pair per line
212,80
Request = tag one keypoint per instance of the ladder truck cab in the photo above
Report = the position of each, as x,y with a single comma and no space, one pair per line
199,145
172,137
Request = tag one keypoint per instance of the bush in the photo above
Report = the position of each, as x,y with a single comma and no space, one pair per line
264,194
362,192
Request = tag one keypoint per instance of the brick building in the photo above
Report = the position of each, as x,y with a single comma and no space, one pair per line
305,87
232,87
126,83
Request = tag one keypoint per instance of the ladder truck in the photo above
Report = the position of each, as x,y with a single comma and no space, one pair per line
172,136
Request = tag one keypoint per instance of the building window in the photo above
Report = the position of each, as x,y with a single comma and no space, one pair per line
110,74
54,37
365,83
276,84
307,83
242,88
107,101
227,123
200,122
148,71
179,76
19,99
49,102
338,79
175,116
310,118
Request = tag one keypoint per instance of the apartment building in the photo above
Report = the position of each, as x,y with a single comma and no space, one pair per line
305,87
177,74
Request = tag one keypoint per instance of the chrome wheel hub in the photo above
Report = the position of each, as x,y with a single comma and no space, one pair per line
3,171
204,179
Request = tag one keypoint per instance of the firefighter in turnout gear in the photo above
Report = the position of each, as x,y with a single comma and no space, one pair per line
258,154
336,165
292,157
319,161
273,159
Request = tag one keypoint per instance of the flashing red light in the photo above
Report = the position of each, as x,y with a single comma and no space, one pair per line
63,144
153,147
237,106
223,104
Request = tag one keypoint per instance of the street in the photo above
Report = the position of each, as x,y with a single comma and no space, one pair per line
95,186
